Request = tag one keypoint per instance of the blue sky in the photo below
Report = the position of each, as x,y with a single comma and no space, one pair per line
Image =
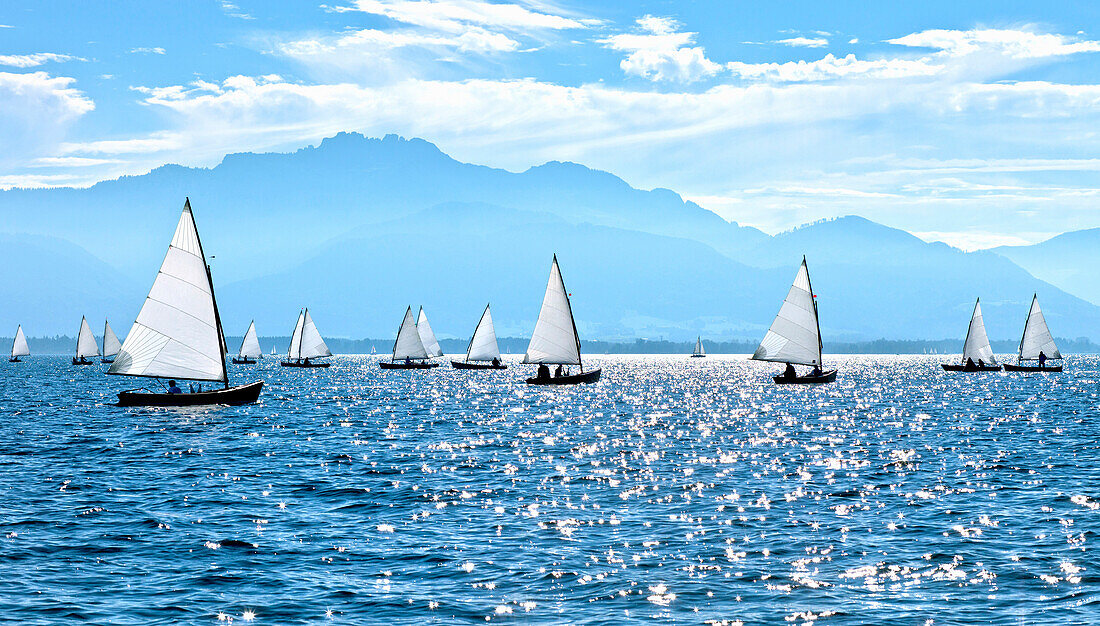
968,122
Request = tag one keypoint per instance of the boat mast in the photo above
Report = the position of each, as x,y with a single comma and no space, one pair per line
569,306
1020,352
481,321
393,356
971,325
813,299
213,300
302,337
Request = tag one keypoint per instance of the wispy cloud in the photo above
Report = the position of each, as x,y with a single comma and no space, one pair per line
830,67
36,59
661,51
157,50
232,10
804,42
458,15
38,111
1021,44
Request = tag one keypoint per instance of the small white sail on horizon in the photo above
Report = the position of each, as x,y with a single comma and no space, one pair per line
795,335
976,347
555,339
177,333
250,345
111,344
408,344
427,337
86,345
306,342
19,345
1037,337
483,344
699,351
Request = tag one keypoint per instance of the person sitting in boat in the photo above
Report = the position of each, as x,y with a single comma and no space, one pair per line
816,371
557,372
970,362
789,371
1042,359
544,372
83,360
496,361
981,364
173,388
307,361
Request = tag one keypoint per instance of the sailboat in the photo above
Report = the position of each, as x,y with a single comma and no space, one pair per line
86,345
555,340
1036,340
19,346
409,352
699,351
273,352
178,332
795,335
250,347
977,353
483,352
427,337
111,344
305,344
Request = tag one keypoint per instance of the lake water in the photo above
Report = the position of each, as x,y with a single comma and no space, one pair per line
675,489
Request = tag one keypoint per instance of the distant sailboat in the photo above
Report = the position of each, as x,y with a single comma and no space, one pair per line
305,344
1036,341
555,340
19,346
427,337
373,350
178,332
699,351
409,352
86,345
111,344
977,353
250,347
273,351
483,352
795,335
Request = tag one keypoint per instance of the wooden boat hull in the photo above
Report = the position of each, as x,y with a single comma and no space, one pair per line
956,367
79,362
245,361
412,365
809,379
572,379
462,365
242,394
302,364
1032,368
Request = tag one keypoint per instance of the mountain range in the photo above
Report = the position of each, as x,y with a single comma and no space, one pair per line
358,228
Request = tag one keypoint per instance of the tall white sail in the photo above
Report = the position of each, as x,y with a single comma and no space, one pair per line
111,344
19,347
86,345
408,344
250,346
977,343
483,345
177,333
311,345
294,351
699,347
427,337
794,336
555,338
1037,337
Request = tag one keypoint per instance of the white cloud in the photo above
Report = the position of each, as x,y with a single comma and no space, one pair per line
458,15
38,111
157,50
36,59
1020,44
853,40
804,42
661,52
232,10
830,67
970,241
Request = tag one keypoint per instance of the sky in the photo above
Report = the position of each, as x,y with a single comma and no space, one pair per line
973,123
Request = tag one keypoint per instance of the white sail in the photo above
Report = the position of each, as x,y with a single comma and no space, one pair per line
177,333
699,347
555,338
294,350
977,343
408,344
19,347
250,346
312,345
1037,337
86,345
111,344
794,336
483,345
427,337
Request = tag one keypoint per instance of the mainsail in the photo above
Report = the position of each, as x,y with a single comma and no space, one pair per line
699,347
977,343
427,337
111,344
250,346
178,332
483,345
555,338
86,345
306,342
794,336
408,344
19,347
1037,337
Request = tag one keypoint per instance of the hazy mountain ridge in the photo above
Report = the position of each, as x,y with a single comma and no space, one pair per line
1067,261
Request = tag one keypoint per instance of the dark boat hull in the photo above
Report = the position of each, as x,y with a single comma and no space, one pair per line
14,359
955,367
698,356
1032,368
573,379
412,365
462,365
107,361
809,379
244,361
302,364
79,362
242,394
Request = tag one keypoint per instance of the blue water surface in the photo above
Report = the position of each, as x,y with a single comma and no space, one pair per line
675,489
